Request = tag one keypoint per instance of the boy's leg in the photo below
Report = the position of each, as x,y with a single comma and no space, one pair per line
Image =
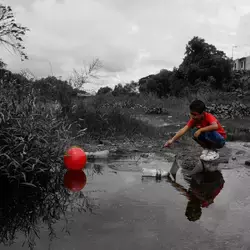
210,140
201,140
216,141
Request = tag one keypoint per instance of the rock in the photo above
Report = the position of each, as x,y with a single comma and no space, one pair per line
156,110
98,155
233,110
247,163
240,152
135,150
147,155
114,150
107,142
233,158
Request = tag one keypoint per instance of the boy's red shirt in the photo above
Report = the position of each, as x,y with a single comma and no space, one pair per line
208,120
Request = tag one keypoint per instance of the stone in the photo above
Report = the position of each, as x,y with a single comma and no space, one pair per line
240,152
247,163
225,111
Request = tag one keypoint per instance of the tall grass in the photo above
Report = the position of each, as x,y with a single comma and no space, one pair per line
108,115
23,209
103,122
33,137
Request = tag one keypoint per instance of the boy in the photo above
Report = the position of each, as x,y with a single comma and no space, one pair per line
207,131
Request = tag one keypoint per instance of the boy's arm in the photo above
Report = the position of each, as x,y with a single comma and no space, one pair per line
180,133
212,127
178,187
213,124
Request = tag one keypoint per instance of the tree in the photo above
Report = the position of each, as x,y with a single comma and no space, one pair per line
79,78
11,33
203,60
118,90
158,84
2,64
104,90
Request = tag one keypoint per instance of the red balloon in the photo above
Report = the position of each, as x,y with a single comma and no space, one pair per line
75,180
75,158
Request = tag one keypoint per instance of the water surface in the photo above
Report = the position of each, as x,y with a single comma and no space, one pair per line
117,210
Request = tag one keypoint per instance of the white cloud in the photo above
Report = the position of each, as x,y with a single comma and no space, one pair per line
131,38
134,29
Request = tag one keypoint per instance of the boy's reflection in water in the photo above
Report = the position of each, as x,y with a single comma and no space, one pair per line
203,189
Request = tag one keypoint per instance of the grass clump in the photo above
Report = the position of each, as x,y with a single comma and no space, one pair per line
33,135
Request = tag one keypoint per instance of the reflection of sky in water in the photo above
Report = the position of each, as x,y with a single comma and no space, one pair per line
230,213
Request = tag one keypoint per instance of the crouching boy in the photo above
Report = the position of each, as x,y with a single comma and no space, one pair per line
206,131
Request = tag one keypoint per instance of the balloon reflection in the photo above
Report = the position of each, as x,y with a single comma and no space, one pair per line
75,180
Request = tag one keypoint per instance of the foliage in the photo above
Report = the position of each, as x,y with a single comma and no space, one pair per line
104,118
202,65
24,207
2,64
33,137
80,77
104,90
53,89
11,33
127,89
203,60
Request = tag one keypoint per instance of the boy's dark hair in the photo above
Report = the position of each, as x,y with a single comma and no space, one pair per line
197,106
193,210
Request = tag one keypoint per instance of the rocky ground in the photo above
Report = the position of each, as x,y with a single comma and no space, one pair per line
229,111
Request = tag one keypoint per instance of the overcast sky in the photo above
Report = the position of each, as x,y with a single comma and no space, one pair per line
132,38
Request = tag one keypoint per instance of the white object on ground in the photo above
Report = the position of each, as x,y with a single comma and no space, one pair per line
204,152
98,155
146,172
211,156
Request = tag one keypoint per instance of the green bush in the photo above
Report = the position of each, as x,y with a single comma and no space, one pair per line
33,137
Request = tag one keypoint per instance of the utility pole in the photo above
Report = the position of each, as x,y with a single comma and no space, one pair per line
234,46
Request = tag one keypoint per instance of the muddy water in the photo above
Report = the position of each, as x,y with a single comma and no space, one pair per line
128,213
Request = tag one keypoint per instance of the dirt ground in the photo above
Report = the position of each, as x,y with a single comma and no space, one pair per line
123,145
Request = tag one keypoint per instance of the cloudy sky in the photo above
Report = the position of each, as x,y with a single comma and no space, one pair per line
132,38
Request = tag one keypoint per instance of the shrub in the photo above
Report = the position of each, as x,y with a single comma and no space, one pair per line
33,137
111,121
24,208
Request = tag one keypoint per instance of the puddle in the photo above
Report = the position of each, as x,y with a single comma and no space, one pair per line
116,209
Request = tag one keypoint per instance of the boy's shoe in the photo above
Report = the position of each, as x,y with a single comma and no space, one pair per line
204,151
211,156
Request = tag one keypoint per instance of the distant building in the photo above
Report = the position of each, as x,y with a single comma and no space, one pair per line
242,63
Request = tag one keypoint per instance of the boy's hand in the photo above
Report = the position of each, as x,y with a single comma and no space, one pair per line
168,143
197,133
